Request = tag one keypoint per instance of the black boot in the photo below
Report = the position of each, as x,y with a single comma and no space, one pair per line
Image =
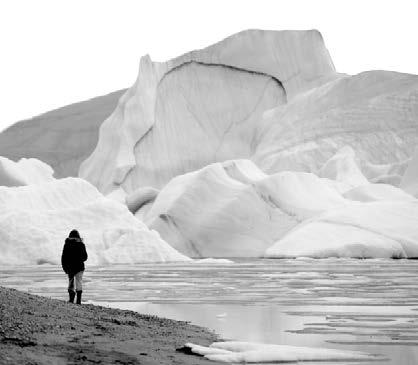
72,295
79,292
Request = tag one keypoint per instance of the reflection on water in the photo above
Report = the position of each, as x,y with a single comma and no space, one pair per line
366,305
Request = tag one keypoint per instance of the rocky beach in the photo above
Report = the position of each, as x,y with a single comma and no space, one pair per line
39,330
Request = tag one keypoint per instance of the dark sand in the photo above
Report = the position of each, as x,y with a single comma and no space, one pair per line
39,330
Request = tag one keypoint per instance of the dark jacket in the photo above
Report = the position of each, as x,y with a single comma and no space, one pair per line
73,256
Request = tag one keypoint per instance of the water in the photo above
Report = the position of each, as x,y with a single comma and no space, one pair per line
364,305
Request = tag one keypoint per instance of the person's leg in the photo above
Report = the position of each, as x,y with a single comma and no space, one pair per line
79,285
71,290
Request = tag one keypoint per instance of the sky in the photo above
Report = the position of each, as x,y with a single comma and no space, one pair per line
56,52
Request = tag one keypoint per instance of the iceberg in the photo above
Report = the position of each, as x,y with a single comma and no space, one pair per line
252,147
272,97
36,219
203,106
374,113
233,209
209,214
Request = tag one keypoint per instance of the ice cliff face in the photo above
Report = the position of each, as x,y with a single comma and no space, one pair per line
203,107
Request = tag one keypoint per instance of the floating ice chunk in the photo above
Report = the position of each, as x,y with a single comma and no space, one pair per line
221,315
235,210
250,352
36,219
213,261
207,213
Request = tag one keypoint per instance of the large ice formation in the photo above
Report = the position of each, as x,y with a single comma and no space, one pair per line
271,97
203,107
256,146
375,113
208,213
252,352
234,209
36,219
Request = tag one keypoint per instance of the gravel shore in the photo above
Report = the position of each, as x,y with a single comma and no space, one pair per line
39,330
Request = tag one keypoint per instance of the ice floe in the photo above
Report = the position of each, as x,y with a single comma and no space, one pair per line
251,352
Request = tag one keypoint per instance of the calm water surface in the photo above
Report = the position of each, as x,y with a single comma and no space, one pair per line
365,305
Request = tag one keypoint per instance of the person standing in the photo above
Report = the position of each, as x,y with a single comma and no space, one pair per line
74,255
